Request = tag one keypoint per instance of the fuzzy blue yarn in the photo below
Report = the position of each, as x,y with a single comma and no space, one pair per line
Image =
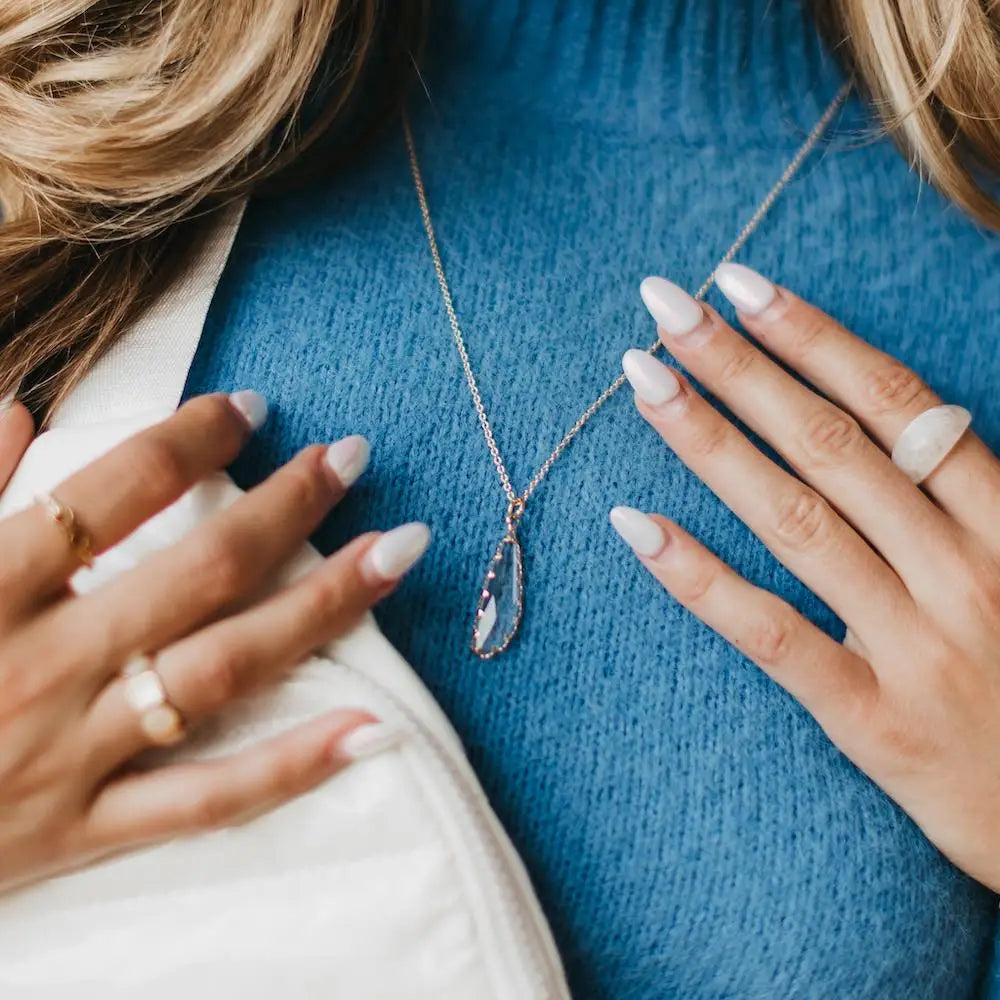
691,831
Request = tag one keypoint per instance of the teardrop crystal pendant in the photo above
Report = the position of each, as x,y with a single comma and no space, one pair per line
501,598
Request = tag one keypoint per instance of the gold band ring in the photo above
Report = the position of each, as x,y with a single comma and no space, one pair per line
65,517
161,722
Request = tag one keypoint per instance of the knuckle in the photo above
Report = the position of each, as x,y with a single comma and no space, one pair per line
803,520
204,810
695,585
831,436
77,838
159,464
25,692
222,677
938,659
892,388
287,776
26,775
906,744
710,438
769,638
219,570
810,327
323,594
981,586
741,360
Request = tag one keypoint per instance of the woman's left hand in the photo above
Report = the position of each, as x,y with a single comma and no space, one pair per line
913,694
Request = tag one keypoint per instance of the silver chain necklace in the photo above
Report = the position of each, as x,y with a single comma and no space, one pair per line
500,607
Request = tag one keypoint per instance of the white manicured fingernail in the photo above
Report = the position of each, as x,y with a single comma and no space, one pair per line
369,740
397,551
749,291
653,381
251,406
348,458
673,309
640,532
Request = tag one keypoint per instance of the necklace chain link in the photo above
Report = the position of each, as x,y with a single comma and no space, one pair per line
517,501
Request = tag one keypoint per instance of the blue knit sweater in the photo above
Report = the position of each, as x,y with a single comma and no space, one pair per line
691,831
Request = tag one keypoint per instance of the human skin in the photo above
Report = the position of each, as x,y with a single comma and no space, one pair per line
913,696
68,736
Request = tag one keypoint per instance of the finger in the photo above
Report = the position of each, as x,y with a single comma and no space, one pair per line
824,445
197,797
16,431
204,672
113,496
832,682
224,561
882,393
792,520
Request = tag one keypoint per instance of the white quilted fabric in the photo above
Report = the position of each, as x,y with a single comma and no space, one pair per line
392,880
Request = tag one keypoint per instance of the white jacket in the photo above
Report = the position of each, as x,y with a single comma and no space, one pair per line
391,880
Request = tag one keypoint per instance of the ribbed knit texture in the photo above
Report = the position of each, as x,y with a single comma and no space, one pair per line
691,831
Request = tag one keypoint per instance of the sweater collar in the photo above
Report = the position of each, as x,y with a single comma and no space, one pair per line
698,66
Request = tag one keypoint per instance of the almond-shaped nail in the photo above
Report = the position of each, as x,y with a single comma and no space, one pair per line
673,309
397,551
639,531
251,406
653,381
348,458
368,740
749,291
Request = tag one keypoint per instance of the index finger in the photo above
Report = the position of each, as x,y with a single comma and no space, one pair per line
113,496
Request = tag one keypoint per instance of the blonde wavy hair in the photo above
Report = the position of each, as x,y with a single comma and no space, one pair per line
933,70
124,123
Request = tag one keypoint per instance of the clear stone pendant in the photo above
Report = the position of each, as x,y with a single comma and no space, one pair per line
501,598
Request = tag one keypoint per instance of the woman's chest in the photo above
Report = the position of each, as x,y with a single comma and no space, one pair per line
330,306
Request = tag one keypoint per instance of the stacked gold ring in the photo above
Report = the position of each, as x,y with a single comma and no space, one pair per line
143,689
64,517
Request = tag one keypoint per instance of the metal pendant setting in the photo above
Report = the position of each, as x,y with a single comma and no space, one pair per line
501,598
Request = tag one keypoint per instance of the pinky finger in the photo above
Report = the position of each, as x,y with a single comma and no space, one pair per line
832,682
146,807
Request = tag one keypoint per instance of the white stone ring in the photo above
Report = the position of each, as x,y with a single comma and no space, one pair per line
160,721
928,439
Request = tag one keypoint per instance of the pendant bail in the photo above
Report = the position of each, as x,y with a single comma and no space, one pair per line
515,510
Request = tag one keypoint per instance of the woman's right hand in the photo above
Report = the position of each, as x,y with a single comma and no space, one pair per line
67,732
